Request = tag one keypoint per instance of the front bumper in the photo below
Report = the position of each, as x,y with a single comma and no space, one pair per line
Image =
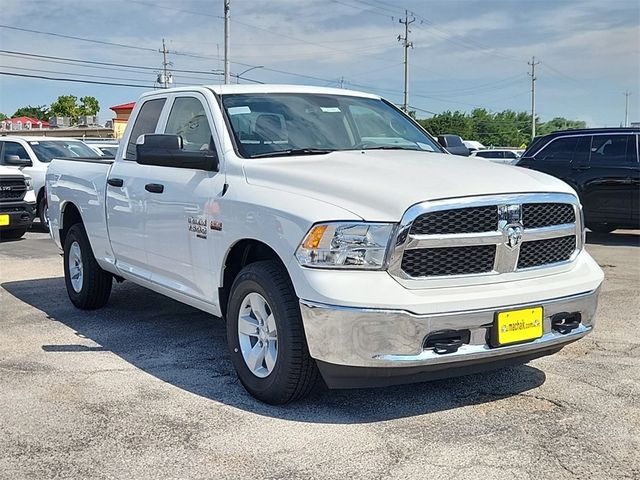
21,214
358,347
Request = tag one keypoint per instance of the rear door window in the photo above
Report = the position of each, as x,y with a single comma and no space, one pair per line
612,149
146,122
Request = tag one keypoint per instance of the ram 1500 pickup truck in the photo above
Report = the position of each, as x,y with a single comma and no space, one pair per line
333,235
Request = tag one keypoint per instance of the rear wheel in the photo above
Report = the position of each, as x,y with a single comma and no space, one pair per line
88,286
601,227
13,233
266,337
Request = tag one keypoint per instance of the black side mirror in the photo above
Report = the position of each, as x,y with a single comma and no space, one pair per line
16,161
167,151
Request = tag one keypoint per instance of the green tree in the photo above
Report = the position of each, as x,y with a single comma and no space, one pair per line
88,106
41,112
559,123
3,116
65,106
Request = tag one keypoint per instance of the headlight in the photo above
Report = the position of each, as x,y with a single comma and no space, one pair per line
29,182
355,245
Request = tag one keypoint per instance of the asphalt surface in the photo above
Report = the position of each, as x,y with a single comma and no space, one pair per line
144,389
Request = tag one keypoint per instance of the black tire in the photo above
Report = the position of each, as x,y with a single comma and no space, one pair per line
12,234
96,283
601,227
295,373
43,213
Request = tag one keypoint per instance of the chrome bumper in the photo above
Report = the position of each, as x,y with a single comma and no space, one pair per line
362,337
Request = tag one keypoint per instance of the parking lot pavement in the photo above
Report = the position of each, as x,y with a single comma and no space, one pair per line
144,389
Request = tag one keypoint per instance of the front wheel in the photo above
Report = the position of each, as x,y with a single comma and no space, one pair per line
88,286
266,337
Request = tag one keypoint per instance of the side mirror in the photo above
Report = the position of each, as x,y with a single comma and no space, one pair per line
16,161
167,151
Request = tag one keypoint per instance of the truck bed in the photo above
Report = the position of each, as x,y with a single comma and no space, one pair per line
80,181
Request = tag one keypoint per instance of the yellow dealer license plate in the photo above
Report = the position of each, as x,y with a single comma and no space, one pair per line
4,220
518,326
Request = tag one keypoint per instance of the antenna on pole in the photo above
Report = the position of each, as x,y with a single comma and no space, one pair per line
227,68
406,44
166,77
533,64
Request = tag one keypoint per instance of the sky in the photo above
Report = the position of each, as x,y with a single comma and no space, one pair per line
466,53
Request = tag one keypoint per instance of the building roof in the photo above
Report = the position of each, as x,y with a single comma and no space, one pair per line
123,106
24,120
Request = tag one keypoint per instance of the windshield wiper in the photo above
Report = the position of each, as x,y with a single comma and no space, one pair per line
390,147
294,151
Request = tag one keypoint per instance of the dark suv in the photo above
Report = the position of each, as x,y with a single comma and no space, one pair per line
601,165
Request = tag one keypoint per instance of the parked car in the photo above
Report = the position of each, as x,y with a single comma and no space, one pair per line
472,145
17,203
103,148
333,235
453,144
601,165
498,155
32,156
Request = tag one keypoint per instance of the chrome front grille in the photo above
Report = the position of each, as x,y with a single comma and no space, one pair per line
12,189
436,262
536,215
485,236
548,251
457,220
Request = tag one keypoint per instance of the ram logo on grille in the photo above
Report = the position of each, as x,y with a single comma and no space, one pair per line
510,222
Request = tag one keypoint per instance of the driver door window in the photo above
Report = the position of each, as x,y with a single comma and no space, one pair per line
189,120
13,148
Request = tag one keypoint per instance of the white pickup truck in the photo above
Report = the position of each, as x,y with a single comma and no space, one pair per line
333,235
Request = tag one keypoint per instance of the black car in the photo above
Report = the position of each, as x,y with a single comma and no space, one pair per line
601,165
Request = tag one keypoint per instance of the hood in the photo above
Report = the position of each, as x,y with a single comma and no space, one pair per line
379,185
7,170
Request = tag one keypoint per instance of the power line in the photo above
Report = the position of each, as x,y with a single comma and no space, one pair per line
93,62
24,75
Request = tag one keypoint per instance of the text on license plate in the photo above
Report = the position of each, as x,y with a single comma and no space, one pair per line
519,325
4,220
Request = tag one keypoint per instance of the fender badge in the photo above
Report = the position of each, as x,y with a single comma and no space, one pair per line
215,225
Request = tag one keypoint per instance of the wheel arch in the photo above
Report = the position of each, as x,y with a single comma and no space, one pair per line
242,253
69,216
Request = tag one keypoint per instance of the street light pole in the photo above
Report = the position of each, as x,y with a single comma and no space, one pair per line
238,75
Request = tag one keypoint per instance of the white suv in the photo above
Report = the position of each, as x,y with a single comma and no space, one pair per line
32,156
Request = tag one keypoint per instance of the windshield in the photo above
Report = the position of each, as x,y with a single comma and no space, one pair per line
303,123
48,150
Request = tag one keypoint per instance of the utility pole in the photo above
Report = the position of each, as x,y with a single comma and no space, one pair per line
406,44
533,64
227,68
342,82
626,108
165,78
